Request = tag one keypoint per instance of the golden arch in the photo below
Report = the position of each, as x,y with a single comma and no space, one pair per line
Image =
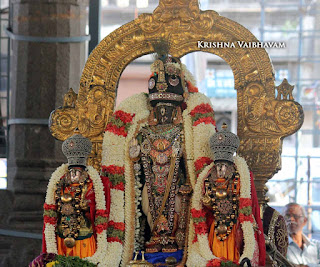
263,119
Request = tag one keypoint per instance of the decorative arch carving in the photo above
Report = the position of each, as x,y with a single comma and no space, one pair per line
264,118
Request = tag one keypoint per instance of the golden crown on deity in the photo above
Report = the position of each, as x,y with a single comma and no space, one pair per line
77,149
170,78
224,144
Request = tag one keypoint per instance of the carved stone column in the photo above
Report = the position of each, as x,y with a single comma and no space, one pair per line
41,72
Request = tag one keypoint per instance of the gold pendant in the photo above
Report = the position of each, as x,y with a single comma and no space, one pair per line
69,242
222,229
221,193
66,198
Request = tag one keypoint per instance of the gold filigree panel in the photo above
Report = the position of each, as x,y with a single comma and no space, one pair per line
264,118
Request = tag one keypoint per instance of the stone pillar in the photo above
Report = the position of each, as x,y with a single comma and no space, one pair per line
41,73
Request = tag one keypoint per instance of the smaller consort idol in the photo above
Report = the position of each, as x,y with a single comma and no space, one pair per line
225,209
76,209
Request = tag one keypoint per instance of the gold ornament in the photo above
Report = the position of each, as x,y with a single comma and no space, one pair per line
69,242
66,198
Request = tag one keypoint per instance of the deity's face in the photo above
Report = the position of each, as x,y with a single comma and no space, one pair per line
295,219
221,167
167,79
75,174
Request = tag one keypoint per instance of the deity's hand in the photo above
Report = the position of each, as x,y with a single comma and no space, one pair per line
84,205
206,199
134,149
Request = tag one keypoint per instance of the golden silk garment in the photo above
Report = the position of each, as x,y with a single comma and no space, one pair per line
227,248
84,246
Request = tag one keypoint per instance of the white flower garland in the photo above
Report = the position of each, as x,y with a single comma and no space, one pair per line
245,192
202,244
197,139
49,231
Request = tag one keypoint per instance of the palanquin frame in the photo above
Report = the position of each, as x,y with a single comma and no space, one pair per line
266,113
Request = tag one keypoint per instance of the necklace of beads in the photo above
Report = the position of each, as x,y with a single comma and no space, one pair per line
225,206
69,208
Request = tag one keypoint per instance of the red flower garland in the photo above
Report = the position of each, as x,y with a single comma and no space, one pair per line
192,88
119,186
51,220
114,239
202,109
198,213
201,228
117,225
124,116
206,120
102,213
100,227
49,207
245,202
113,169
200,163
213,263
116,130
243,218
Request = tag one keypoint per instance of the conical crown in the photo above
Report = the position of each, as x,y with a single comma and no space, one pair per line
77,149
224,144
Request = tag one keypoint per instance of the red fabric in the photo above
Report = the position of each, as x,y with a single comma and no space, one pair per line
256,214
